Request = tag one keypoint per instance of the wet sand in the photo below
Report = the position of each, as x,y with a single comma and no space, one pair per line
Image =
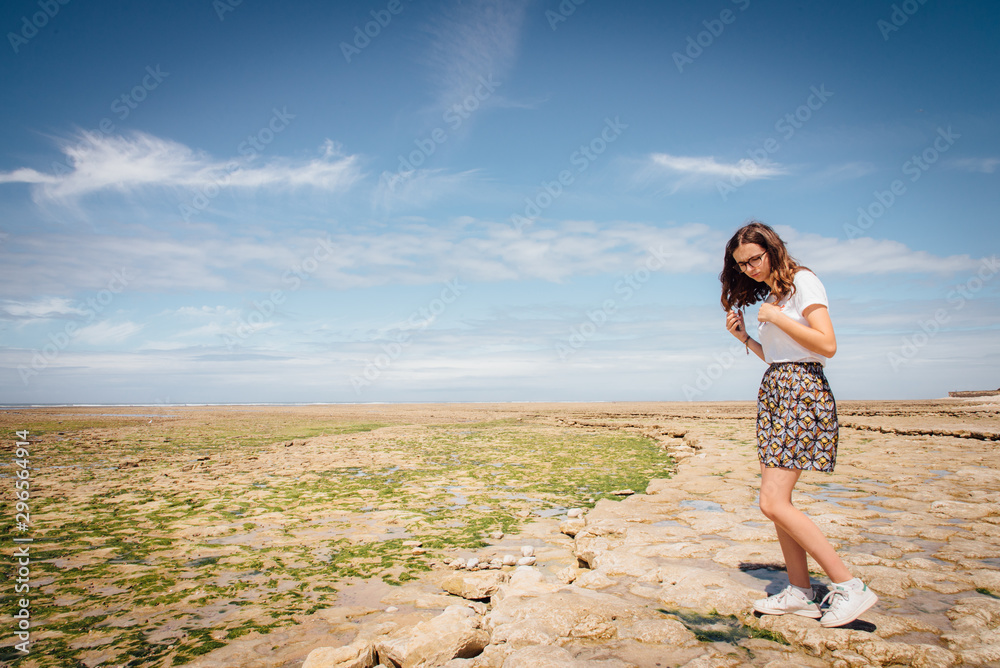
252,535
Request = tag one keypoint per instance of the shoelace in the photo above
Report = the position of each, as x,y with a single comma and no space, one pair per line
781,596
832,597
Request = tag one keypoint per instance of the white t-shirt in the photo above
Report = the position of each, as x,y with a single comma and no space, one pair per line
778,346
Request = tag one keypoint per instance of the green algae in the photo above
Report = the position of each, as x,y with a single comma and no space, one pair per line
112,553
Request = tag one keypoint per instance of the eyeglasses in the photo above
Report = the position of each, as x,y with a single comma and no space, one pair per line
752,263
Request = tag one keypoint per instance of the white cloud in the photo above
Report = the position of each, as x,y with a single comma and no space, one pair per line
671,173
126,163
865,256
45,308
105,332
409,254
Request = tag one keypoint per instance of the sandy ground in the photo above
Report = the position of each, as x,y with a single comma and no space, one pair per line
206,535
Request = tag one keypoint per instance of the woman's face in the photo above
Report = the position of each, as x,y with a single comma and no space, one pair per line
753,261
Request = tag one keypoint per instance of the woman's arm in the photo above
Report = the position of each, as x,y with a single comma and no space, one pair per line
818,337
736,327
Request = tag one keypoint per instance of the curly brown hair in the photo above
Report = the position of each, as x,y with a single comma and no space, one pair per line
738,289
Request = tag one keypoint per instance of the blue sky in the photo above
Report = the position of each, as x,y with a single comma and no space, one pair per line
215,202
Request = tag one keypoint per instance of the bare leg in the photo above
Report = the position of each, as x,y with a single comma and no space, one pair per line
797,534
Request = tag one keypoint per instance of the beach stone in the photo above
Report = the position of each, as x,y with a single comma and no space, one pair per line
524,633
540,656
474,586
963,510
524,581
493,656
359,654
593,580
455,633
571,612
527,551
599,537
622,562
714,660
704,591
976,634
572,526
660,631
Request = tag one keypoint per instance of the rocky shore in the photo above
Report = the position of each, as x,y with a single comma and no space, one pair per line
667,577
500,535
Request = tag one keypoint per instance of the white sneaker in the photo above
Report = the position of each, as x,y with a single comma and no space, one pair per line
787,602
846,604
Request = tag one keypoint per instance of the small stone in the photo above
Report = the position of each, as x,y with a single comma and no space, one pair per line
509,560
472,564
575,512
527,551
526,561
392,608
457,563
497,535
622,492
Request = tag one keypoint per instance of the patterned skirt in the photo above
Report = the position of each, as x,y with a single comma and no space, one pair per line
797,424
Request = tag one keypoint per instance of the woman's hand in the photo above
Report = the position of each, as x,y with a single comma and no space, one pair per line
768,313
735,325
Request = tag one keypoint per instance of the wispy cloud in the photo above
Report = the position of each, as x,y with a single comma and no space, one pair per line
415,253
670,173
976,165
127,163
419,187
471,40
41,309
105,332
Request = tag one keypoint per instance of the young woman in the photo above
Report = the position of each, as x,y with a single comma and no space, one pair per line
797,425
